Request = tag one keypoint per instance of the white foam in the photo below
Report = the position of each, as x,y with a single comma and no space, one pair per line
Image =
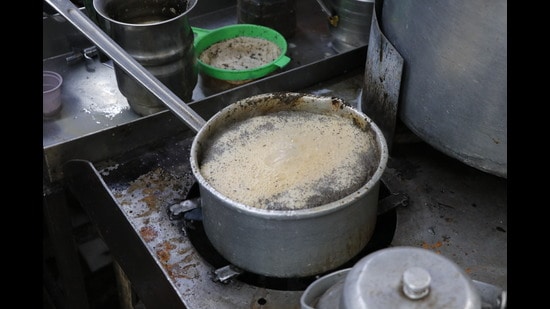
287,159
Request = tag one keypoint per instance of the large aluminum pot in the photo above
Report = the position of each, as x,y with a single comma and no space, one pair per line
297,242
454,84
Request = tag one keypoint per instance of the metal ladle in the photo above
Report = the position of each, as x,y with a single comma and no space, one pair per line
73,14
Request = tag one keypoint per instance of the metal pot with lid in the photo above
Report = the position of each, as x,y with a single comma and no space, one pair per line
396,277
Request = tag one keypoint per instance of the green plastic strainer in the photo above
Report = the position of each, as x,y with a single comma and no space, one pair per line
205,38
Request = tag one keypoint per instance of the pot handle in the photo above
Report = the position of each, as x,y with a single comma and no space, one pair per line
282,61
200,32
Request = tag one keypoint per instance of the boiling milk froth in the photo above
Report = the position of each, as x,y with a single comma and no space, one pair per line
287,160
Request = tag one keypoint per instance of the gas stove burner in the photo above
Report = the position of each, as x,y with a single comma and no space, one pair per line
194,230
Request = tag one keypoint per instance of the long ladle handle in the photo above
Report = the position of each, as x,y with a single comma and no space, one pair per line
127,63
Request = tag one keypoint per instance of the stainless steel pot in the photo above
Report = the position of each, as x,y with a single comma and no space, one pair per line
290,243
454,83
158,35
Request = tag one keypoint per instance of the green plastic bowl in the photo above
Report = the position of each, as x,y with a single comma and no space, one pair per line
204,38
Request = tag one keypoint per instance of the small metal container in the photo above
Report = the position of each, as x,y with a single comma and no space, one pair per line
157,34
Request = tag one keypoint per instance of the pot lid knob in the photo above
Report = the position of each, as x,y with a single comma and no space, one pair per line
416,282
408,277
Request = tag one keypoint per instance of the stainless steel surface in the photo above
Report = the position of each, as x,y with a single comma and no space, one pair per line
381,85
289,243
454,85
159,37
91,102
127,63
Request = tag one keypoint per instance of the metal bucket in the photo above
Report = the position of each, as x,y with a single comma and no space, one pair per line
157,34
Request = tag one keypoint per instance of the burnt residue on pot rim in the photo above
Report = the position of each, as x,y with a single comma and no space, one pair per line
267,103
276,101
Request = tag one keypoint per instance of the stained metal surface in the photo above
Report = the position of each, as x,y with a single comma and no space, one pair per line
453,210
165,269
